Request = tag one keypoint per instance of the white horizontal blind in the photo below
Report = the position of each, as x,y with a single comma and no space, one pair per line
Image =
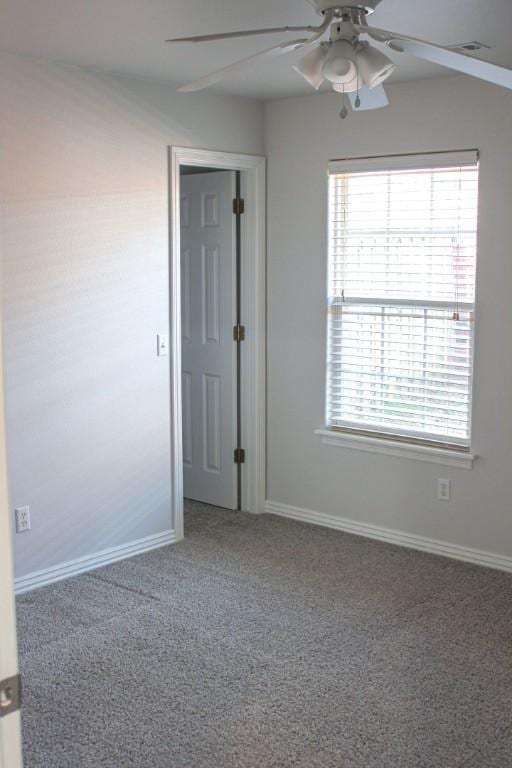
402,253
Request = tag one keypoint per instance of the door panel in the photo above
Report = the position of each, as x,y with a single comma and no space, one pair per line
186,297
186,395
212,437
208,295
211,294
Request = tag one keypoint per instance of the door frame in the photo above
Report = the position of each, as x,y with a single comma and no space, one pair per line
253,355
10,725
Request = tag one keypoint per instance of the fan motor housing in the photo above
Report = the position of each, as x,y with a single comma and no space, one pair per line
366,7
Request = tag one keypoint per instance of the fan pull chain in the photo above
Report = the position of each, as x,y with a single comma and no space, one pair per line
357,102
344,110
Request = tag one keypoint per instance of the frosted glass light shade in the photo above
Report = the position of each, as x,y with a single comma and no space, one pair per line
374,66
350,87
311,66
339,65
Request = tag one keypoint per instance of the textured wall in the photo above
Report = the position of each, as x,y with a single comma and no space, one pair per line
302,135
84,246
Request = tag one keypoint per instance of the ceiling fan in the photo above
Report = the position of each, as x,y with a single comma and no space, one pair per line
348,63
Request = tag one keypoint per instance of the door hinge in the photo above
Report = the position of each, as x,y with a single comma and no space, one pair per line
238,206
239,332
239,456
10,695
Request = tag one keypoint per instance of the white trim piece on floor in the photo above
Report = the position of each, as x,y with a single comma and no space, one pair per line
392,536
91,562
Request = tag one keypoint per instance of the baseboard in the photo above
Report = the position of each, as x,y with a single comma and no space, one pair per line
456,552
90,562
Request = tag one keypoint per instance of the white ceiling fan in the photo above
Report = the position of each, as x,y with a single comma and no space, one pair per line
350,64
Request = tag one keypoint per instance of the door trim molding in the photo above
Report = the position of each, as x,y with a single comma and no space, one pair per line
253,170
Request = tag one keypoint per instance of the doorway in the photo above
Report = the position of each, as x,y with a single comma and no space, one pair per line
217,352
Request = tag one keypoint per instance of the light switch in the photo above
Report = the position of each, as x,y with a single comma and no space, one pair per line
162,344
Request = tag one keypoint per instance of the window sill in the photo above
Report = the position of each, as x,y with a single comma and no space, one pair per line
397,448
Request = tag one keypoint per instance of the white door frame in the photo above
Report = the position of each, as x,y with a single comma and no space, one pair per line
253,317
10,725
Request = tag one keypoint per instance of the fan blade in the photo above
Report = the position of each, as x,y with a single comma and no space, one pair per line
276,50
446,57
242,33
370,98
220,74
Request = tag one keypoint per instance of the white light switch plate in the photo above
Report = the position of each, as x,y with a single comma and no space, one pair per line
162,344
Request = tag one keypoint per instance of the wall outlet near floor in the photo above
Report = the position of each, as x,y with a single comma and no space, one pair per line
443,489
22,517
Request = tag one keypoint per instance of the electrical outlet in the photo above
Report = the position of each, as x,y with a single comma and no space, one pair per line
443,489
22,516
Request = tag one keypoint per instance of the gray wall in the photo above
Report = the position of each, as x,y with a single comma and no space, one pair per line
302,134
84,239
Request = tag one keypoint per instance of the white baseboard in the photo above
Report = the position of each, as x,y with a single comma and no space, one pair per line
90,562
467,554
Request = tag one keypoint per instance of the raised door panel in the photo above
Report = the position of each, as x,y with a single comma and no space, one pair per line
186,295
210,209
210,309
186,394
212,423
185,211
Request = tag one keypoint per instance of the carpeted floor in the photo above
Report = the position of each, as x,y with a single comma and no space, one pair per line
263,642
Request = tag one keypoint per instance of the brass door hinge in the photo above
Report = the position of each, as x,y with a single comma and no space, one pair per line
239,456
238,206
239,332
10,695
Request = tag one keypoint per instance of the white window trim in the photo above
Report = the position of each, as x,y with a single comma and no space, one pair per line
403,450
376,443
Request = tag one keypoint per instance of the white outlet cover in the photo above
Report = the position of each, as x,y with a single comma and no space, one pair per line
443,489
22,518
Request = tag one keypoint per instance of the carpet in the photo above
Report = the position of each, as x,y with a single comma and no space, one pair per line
260,642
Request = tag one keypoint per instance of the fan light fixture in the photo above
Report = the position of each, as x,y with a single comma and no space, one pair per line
373,66
351,87
339,65
347,66
311,66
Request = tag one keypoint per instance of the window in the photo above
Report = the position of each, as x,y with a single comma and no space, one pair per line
401,293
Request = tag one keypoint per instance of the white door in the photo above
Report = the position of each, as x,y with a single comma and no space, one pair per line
10,734
208,296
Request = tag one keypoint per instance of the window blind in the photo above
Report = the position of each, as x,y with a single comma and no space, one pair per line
401,292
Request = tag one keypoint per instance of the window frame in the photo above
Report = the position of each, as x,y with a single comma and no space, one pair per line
405,443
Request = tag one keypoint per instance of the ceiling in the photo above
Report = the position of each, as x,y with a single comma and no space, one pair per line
127,36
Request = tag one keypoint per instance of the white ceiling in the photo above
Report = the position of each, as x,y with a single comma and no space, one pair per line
127,36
